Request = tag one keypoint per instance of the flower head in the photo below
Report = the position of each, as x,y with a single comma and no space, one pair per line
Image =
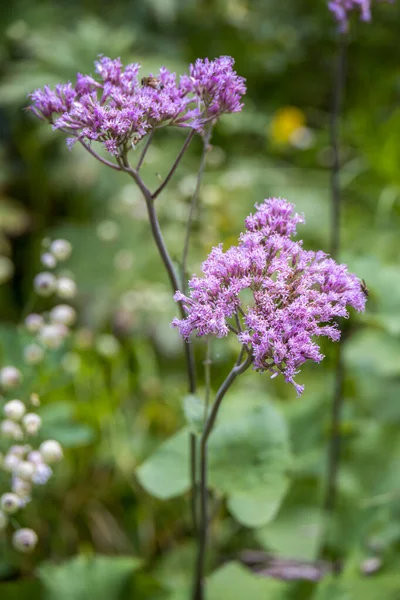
118,108
342,8
295,293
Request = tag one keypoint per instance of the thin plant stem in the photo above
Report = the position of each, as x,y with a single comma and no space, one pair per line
188,348
329,502
144,151
175,165
98,157
193,204
207,378
336,199
238,369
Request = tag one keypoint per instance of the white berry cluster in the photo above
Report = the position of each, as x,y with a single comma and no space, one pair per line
25,462
51,329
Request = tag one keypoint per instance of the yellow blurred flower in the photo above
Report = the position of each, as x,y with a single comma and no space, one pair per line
285,122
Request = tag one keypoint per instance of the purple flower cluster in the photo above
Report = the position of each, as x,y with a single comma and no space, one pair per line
118,108
341,8
294,294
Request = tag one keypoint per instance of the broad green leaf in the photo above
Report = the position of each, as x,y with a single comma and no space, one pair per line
88,577
248,462
235,582
165,473
295,533
193,408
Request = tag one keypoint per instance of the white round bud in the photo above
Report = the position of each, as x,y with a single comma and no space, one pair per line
51,451
10,503
66,288
48,260
52,336
25,470
34,322
11,462
11,430
19,450
63,314
107,345
45,284
24,540
61,249
10,377
14,410
42,474
3,521
33,354
22,488
31,423
35,457
71,362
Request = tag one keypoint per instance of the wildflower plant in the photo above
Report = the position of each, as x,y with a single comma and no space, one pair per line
295,294
342,9
26,459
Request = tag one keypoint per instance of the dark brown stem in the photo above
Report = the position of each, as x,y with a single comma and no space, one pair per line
198,589
193,205
175,165
98,157
335,437
144,151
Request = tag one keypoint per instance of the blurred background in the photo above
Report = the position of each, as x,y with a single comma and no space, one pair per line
116,391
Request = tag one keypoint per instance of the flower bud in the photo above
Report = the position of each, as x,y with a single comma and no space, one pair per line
11,462
14,410
22,488
3,521
48,260
35,457
10,377
33,354
66,288
51,451
42,474
31,423
107,345
63,314
11,430
10,503
45,284
61,249
34,322
52,336
25,470
24,540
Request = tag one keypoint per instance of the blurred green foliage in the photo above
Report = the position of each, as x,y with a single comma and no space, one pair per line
111,411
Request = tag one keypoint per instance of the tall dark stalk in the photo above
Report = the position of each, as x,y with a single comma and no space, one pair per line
239,367
336,206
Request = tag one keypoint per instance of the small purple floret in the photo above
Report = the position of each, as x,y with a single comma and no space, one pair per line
295,294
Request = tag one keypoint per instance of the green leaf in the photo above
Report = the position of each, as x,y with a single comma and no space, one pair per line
296,533
248,462
165,474
235,582
88,577
193,408
27,589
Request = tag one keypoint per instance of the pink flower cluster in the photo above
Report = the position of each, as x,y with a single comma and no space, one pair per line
118,108
342,8
295,294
